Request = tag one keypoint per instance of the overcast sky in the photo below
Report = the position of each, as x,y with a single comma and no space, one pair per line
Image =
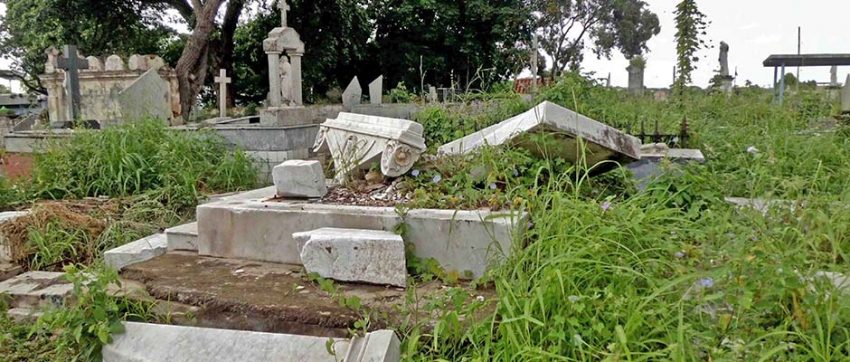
754,29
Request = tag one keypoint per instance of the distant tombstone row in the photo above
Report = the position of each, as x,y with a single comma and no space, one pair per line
353,94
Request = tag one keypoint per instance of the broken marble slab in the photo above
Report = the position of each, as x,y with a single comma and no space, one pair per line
157,342
300,179
136,252
182,237
603,142
357,140
376,90
354,255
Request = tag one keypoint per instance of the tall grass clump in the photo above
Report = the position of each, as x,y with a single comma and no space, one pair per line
138,158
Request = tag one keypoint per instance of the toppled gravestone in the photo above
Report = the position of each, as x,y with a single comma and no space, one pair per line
603,142
299,179
653,156
354,255
356,140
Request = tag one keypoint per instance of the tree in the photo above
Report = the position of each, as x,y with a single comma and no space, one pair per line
566,26
96,26
690,30
469,43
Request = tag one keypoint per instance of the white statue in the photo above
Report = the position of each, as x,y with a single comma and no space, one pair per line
286,82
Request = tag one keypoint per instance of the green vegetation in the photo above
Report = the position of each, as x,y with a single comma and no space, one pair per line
605,272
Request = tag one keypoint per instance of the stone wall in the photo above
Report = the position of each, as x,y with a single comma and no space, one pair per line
101,86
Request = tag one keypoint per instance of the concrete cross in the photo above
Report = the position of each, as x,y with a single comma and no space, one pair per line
222,81
71,64
284,7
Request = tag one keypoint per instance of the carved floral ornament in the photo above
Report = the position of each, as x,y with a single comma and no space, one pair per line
354,140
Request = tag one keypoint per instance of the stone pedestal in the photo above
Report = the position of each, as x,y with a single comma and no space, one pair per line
285,116
726,84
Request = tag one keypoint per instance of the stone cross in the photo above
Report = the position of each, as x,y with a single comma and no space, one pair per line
222,81
72,64
284,7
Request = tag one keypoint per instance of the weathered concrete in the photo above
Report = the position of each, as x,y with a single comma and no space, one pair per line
463,241
603,142
300,179
376,90
136,252
182,237
154,342
147,97
353,255
35,290
23,315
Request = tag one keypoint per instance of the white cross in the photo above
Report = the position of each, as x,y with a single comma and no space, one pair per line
222,81
284,7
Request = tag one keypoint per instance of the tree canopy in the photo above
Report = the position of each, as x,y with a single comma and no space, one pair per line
464,44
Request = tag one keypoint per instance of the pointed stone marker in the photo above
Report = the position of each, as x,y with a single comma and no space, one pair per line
376,90
352,95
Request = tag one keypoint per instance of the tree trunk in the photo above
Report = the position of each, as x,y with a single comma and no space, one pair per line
228,28
192,67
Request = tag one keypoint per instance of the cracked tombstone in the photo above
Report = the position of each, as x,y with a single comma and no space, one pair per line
356,140
376,90
567,127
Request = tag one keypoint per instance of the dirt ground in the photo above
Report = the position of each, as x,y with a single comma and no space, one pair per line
246,295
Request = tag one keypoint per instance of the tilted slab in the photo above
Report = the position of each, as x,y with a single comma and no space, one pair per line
156,342
136,252
463,241
354,255
603,142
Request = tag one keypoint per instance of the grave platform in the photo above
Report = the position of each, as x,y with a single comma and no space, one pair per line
276,298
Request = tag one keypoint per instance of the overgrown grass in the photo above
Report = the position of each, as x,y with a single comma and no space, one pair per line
141,157
673,272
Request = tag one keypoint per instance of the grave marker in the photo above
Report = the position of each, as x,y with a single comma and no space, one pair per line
72,64
222,81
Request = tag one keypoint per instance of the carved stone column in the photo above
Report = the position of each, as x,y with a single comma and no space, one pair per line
295,61
274,79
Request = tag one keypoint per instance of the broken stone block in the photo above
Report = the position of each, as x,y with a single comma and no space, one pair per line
37,289
603,142
354,255
183,237
356,140
376,90
136,252
300,179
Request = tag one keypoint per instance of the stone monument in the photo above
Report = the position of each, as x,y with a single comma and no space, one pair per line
284,49
72,64
636,68
845,97
352,95
725,78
